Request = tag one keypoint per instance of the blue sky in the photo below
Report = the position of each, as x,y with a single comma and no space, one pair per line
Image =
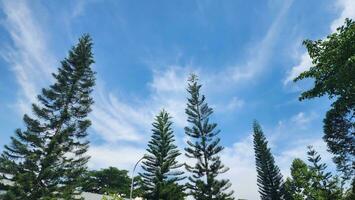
245,53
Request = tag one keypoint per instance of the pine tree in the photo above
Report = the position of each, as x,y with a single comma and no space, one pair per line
161,174
269,177
46,160
324,185
204,147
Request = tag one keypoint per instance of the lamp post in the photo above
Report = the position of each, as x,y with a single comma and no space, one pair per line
132,178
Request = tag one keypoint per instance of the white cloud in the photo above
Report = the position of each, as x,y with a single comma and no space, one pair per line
122,157
235,103
171,80
302,120
305,63
242,174
347,8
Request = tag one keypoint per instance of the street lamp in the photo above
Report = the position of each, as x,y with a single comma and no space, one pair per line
132,178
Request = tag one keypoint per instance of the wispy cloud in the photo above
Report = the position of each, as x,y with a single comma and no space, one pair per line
302,120
29,56
120,156
261,52
116,121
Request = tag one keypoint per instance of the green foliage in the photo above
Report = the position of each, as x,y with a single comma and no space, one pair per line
112,197
333,73
269,177
324,185
312,181
161,174
204,147
46,160
138,187
109,180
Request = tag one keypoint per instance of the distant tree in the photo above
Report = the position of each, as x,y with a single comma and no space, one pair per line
204,146
107,181
161,172
269,177
333,73
47,159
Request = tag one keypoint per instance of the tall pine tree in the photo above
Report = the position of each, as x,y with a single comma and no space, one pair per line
204,147
45,160
161,174
269,177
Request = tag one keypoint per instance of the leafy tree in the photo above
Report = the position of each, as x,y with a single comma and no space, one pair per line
269,176
46,160
298,187
312,181
333,73
109,180
204,147
161,174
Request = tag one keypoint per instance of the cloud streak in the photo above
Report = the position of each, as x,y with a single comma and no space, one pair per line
257,61
29,57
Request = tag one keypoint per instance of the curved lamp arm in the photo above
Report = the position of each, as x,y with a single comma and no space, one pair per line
132,178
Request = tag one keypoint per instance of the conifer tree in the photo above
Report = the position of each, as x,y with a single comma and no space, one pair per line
204,147
161,169
324,185
269,177
45,161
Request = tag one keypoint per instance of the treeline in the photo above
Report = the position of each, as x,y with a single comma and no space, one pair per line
47,159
